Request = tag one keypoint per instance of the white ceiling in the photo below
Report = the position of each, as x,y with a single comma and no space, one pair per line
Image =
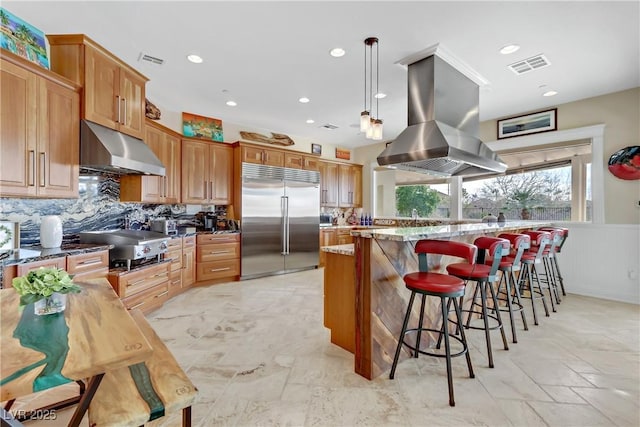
268,54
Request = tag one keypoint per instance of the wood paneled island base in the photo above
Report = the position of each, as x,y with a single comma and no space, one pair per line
382,258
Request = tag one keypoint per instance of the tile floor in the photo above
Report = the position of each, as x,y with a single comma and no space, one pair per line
260,356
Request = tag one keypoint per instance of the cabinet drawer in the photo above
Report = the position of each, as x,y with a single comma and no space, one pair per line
175,243
175,283
220,251
82,265
60,262
205,239
175,256
149,299
217,269
188,242
137,281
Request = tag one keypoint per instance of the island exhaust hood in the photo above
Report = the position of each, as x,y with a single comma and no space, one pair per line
442,137
106,150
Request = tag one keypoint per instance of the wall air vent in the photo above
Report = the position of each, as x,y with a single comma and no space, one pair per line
149,58
329,126
529,64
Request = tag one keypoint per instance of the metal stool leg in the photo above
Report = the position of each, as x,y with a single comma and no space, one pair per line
544,300
518,299
560,279
447,348
462,335
420,323
401,339
501,325
526,284
485,318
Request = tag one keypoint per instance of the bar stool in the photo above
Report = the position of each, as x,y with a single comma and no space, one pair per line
448,289
539,241
508,265
555,267
484,276
549,275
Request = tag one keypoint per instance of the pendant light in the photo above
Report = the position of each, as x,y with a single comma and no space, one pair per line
369,124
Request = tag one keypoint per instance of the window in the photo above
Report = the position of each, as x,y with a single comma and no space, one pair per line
540,194
425,200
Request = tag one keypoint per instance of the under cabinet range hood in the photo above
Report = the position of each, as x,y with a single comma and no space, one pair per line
442,137
106,150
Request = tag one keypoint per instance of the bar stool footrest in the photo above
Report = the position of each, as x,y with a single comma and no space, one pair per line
464,350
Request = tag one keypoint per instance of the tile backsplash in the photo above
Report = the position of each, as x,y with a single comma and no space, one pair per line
97,208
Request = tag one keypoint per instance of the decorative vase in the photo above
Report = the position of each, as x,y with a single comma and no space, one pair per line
52,304
51,231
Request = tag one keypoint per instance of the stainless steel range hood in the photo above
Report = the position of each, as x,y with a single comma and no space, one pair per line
442,137
106,150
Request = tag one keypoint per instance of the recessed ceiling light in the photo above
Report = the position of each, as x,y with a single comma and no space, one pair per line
194,58
510,48
337,52
304,100
231,103
380,95
310,121
550,93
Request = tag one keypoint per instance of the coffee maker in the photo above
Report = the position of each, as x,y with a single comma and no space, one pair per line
208,220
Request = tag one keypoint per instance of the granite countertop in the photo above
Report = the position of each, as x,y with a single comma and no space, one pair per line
38,253
348,249
404,234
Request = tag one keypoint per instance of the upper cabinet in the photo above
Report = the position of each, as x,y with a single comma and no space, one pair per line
340,185
165,144
262,156
296,160
208,177
114,93
39,131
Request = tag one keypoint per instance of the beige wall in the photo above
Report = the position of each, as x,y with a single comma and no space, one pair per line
620,112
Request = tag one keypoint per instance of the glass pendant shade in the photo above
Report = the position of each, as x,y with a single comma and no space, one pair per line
365,119
370,129
377,129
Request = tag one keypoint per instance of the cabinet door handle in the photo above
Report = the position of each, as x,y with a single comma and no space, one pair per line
206,189
184,261
161,294
32,168
124,117
119,112
166,185
219,252
42,169
90,261
140,304
213,270
211,189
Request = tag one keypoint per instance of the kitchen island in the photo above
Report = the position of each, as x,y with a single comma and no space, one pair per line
381,258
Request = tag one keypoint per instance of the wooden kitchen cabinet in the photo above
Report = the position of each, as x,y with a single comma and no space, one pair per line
89,265
328,237
311,163
293,160
262,156
114,93
174,254
39,131
188,261
167,145
217,257
350,186
206,173
59,262
146,288
328,184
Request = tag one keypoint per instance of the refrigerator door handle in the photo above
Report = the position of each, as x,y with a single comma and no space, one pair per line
284,230
286,222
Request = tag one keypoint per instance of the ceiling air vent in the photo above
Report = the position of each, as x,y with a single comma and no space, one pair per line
329,126
149,58
529,64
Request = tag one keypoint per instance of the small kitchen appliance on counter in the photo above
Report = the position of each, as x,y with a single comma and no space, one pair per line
208,220
167,227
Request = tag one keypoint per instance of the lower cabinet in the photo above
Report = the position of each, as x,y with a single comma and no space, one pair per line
89,265
174,255
332,237
217,257
188,262
146,288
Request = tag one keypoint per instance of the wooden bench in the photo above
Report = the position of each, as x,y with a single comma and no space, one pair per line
141,393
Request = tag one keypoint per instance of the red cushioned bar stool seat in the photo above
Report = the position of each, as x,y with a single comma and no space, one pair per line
484,276
448,289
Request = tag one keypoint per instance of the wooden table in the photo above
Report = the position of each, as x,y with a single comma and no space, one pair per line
93,335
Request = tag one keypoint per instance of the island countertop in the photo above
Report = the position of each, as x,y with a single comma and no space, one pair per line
406,234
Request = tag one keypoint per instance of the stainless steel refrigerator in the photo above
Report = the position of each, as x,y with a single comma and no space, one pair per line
280,220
